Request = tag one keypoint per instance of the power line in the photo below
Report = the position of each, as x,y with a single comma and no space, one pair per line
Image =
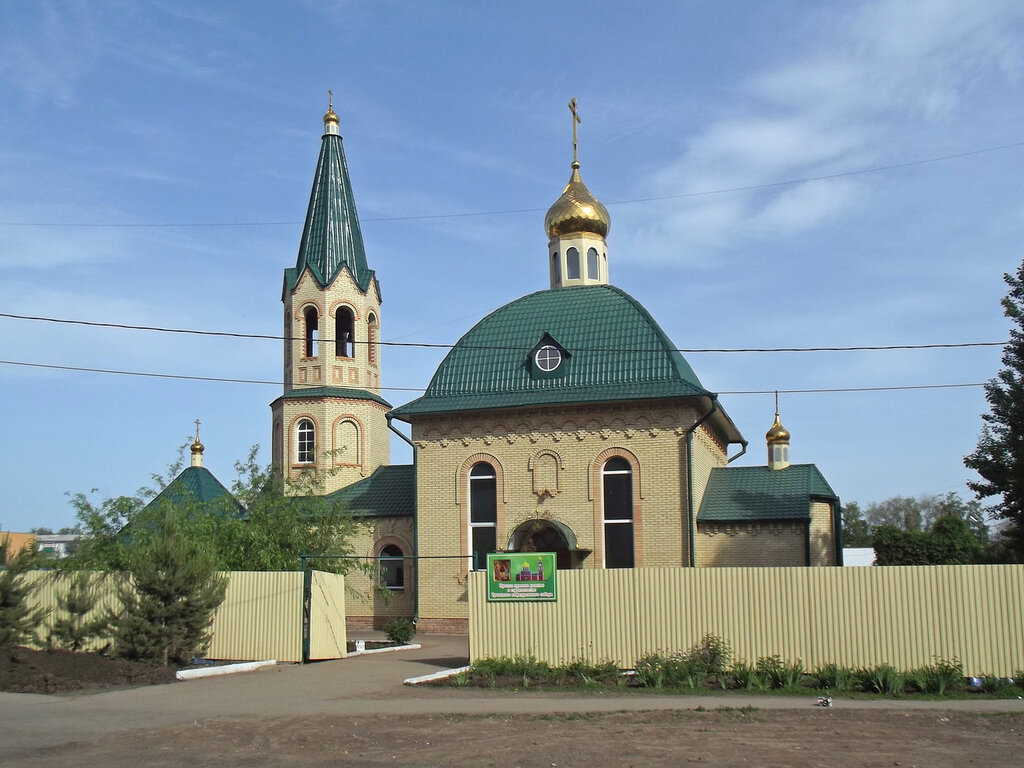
219,379
701,193
429,345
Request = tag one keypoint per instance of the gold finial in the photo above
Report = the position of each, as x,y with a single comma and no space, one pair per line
197,449
575,121
777,433
330,117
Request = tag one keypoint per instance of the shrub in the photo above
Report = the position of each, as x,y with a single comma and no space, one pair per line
833,677
651,670
71,629
777,674
712,653
400,630
938,676
18,621
744,675
996,685
882,679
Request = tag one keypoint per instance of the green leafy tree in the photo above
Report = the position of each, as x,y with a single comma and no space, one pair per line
948,542
856,531
72,628
18,621
167,604
999,455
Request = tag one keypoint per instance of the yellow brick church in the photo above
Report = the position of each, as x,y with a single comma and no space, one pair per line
565,421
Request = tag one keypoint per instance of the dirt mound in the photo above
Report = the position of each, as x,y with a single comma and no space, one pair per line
24,670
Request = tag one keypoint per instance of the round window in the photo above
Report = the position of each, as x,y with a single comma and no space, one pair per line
548,358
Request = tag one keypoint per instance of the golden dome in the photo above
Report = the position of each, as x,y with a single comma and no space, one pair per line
577,210
778,433
197,447
330,117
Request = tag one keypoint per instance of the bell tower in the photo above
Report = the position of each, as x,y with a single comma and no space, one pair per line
331,417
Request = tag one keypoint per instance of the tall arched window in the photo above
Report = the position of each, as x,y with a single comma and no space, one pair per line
593,264
305,442
391,567
617,483
346,442
572,264
372,337
483,513
555,266
344,332
312,326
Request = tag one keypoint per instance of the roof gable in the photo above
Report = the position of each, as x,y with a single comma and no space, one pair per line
760,494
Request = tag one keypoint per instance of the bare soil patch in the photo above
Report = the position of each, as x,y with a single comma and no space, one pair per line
818,737
24,670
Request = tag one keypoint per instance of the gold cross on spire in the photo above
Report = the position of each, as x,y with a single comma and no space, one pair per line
197,430
330,100
575,120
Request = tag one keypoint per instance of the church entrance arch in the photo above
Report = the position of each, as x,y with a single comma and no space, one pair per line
540,535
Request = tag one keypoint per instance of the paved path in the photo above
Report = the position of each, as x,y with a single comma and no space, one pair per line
371,685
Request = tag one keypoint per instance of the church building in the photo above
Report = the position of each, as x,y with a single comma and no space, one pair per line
565,421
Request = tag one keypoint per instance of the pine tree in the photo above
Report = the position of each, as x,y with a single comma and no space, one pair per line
72,629
999,457
18,622
169,599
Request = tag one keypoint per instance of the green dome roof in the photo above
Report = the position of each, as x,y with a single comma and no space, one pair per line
610,347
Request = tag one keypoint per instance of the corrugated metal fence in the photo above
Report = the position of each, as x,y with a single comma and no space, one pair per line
903,616
260,618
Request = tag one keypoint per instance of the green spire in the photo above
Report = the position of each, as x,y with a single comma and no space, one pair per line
331,238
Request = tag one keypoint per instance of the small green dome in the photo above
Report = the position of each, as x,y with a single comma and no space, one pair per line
609,348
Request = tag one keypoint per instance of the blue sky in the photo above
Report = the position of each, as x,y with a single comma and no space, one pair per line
156,158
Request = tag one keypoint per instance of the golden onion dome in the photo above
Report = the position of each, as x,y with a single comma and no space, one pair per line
777,433
577,210
197,447
330,117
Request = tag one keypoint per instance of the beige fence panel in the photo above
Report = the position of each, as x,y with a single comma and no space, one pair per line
903,616
327,637
48,584
260,618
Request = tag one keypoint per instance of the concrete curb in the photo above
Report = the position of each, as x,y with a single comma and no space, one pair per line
435,676
224,669
412,647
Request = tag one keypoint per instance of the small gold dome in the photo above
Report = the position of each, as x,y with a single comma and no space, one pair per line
778,433
197,447
577,210
330,117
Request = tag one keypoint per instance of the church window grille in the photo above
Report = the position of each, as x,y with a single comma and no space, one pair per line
306,442
483,513
572,264
312,331
593,266
391,568
617,484
344,334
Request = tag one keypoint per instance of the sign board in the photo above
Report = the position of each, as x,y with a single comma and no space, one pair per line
521,576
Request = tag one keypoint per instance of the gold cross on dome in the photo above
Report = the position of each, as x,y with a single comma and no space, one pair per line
575,120
197,429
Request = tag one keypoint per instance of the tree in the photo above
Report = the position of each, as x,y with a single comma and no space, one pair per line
856,531
18,621
999,455
72,629
948,542
168,602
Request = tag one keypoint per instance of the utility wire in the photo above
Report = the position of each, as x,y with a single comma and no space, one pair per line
702,193
420,389
428,345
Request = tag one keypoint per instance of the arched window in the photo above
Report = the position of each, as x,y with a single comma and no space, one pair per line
391,568
556,267
483,513
372,337
617,484
572,264
312,325
305,442
346,442
593,265
344,332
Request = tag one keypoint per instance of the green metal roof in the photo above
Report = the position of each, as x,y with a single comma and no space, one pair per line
388,492
342,392
616,351
331,238
759,494
196,484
